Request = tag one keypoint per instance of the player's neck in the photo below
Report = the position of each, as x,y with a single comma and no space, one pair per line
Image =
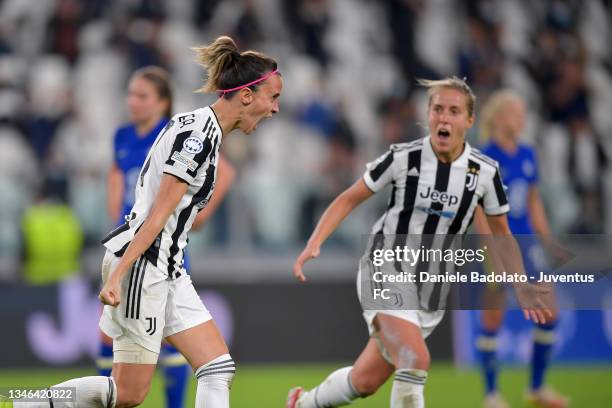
450,157
227,115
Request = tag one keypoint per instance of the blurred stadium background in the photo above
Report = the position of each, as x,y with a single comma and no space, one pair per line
349,69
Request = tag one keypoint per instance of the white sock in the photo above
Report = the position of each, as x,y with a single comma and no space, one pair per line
407,390
214,382
88,392
337,390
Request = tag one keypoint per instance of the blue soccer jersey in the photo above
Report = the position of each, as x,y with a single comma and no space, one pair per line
130,151
519,172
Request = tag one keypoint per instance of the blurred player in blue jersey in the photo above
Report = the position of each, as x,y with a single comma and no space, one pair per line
149,103
502,123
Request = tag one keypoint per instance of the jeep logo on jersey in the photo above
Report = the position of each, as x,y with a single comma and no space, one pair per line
193,145
439,197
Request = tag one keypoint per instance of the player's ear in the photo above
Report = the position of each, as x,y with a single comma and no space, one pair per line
471,120
246,96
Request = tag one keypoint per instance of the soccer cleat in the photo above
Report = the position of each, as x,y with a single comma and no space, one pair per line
494,400
294,396
546,398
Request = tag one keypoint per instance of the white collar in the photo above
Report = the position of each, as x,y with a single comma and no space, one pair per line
462,159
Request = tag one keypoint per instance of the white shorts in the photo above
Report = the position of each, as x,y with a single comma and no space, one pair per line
152,305
426,321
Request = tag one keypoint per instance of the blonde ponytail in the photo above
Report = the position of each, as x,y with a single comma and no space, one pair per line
215,57
227,68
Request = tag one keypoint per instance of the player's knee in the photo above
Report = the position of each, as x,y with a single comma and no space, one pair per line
408,357
130,397
423,360
365,385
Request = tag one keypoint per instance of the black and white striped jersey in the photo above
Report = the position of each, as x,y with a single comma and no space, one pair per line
187,148
431,197
431,203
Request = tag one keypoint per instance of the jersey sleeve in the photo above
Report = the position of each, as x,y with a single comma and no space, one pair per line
379,172
188,152
494,200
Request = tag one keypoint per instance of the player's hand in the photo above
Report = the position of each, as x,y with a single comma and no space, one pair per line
111,292
311,251
557,254
531,298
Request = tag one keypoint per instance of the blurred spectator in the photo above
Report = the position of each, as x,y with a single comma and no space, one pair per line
148,9
308,21
558,69
52,237
141,37
204,12
402,16
49,94
398,121
247,31
18,174
64,29
480,59
5,47
336,174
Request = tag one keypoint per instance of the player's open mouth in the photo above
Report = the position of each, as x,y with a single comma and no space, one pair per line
443,133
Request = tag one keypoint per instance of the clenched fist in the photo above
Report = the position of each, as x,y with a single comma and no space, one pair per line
111,293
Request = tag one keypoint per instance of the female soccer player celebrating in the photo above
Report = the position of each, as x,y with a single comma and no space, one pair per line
147,295
437,183
149,103
503,121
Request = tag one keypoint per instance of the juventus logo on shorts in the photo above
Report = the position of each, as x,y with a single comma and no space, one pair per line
471,178
152,325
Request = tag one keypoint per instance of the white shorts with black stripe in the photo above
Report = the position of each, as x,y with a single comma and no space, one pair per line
152,305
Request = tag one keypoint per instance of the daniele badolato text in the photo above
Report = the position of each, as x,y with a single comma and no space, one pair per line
459,257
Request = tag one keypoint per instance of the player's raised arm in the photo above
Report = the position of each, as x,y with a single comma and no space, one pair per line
330,220
171,190
530,297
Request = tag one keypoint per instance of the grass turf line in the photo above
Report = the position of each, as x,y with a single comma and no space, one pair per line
267,385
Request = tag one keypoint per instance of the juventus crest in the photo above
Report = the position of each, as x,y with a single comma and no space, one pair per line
152,325
471,178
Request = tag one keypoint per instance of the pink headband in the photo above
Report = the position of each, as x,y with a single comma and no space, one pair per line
263,78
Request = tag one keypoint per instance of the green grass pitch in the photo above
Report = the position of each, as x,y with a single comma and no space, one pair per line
266,385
